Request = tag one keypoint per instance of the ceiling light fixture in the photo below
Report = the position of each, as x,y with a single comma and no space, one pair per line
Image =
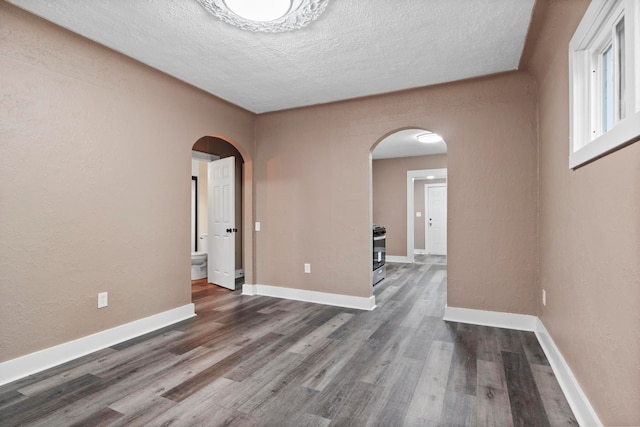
429,138
267,16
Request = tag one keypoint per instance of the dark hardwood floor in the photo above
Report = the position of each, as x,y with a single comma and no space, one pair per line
258,361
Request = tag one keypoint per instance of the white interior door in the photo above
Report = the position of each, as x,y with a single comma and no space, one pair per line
436,219
221,252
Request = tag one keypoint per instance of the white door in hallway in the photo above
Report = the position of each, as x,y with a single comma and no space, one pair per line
222,228
436,218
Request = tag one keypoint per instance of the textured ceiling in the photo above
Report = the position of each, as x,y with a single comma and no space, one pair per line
404,143
356,48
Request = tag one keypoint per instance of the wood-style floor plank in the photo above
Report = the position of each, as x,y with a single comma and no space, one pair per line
394,392
462,373
103,417
148,398
493,408
459,409
526,404
308,420
319,335
553,400
192,385
258,361
144,413
420,342
195,409
355,409
323,370
257,392
429,394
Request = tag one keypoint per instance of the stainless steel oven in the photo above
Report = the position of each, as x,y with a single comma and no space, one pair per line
379,253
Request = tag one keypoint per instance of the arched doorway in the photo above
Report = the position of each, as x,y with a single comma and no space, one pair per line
204,151
408,194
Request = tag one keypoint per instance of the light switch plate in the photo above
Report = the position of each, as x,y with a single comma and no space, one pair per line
257,226
103,299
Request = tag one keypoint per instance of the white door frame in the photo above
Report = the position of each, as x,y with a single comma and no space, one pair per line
411,177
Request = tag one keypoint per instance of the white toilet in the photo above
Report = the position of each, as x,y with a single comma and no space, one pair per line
199,260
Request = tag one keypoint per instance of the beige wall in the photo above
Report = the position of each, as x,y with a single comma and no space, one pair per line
95,156
312,189
389,178
589,236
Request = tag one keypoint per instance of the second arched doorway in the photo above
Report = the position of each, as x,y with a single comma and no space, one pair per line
409,188
218,217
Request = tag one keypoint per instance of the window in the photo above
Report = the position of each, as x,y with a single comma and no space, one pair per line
608,83
604,54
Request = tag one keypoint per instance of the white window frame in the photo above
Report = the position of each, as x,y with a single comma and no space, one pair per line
595,32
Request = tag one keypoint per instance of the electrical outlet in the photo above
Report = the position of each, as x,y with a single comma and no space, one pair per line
103,299
544,297
307,268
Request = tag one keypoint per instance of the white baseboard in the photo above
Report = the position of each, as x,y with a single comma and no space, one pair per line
399,259
582,409
348,301
496,319
420,252
22,366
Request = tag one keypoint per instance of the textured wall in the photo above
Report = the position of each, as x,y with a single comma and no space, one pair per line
589,236
389,178
313,189
95,159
